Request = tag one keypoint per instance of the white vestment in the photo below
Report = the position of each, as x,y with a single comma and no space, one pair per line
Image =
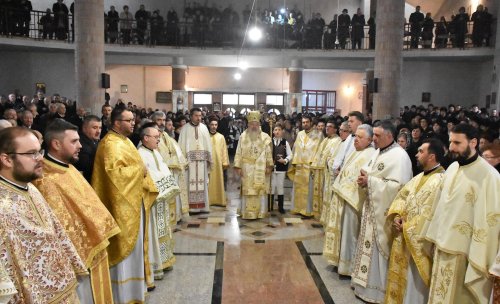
196,145
388,171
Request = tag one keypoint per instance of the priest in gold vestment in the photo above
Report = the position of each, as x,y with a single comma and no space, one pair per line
343,134
340,239
253,161
220,162
161,241
327,149
386,173
35,251
86,220
177,163
465,224
410,266
121,181
304,149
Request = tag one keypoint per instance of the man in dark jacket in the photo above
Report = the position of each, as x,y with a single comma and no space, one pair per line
89,138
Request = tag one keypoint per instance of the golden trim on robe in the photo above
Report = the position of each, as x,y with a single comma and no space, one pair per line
119,181
35,250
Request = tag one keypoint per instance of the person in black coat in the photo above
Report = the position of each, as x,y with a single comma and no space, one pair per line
460,23
358,29
61,24
416,22
89,138
343,32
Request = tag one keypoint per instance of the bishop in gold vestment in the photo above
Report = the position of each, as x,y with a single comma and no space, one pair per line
120,181
254,161
304,149
36,252
410,266
220,161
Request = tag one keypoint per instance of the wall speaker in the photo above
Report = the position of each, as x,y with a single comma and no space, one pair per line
105,81
373,85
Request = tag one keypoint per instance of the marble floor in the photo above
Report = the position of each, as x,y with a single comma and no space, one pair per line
224,259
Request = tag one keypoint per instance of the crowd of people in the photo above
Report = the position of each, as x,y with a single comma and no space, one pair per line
407,204
203,25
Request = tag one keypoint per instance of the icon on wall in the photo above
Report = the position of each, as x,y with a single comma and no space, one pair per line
124,88
40,87
216,106
426,97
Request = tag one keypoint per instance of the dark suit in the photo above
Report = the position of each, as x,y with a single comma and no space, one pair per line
85,162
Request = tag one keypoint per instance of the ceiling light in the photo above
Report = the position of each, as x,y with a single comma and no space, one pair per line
237,76
254,34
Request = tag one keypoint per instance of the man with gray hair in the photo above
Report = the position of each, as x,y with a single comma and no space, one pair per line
177,163
343,219
386,173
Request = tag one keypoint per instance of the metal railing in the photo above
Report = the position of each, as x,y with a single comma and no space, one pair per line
157,32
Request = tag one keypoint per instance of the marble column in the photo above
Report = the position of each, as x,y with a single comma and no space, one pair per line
388,58
89,54
294,97
179,93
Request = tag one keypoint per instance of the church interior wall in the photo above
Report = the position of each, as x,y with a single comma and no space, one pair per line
466,82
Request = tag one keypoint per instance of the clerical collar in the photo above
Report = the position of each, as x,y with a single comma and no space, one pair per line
468,161
17,186
56,161
384,149
118,132
353,135
213,133
308,131
432,169
146,147
194,124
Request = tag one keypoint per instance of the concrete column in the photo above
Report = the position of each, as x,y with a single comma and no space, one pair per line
294,98
388,58
179,77
180,100
89,53
495,96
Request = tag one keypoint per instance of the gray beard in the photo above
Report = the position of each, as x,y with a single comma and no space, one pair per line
253,135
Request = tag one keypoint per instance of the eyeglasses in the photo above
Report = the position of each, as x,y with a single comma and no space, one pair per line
157,137
132,120
344,130
34,155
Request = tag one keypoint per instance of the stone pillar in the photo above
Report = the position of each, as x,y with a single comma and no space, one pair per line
495,96
89,54
366,106
294,97
388,58
179,93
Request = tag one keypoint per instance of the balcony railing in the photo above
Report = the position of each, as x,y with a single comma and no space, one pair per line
155,32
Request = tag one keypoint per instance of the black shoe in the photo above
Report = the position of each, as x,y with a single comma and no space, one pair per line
281,199
151,288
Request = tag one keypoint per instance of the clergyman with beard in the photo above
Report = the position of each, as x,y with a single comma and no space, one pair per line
465,225
253,161
34,260
86,220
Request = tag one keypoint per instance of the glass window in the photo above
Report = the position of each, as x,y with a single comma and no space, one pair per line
202,98
274,100
230,99
274,111
245,111
247,99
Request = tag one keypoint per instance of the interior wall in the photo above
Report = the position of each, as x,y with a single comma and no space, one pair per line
22,70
